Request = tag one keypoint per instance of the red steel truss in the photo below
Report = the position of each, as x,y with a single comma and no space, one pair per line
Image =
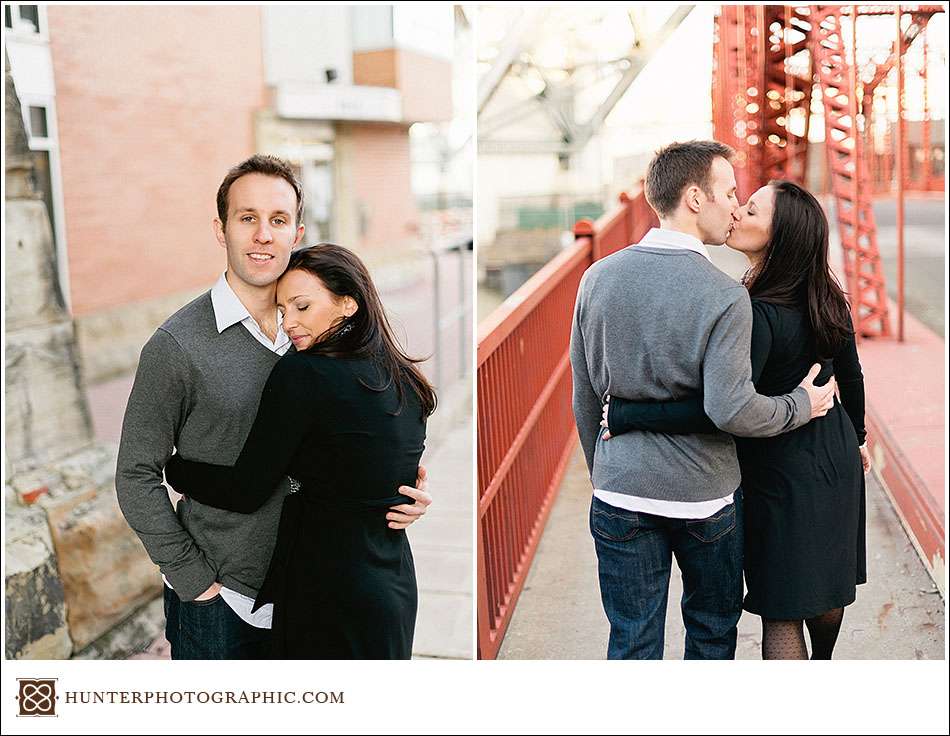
882,165
788,90
850,185
757,90
767,62
738,81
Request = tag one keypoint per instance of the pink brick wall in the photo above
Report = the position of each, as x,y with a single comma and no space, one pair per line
154,105
382,184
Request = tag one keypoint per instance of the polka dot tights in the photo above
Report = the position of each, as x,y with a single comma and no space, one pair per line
786,639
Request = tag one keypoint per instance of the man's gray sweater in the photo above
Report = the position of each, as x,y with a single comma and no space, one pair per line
197,390
657,324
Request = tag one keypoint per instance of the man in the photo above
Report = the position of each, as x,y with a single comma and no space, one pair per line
197,388
654,322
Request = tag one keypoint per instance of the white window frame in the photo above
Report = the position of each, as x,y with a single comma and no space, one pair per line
50,143
41,35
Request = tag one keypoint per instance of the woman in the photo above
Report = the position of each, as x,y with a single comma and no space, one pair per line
344,415
803,490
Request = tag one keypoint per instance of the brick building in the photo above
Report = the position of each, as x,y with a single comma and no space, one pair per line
136,112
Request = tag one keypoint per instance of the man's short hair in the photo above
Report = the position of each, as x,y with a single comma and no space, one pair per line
676,167
260,164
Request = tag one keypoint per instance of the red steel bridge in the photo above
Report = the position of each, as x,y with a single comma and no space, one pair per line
774,66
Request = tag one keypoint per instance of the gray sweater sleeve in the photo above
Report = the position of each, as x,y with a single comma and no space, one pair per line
156,410
729,398
585,401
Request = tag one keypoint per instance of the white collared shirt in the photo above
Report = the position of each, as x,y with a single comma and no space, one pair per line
658,237
662,238
228,311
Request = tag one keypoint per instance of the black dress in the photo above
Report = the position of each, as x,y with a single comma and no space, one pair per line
342,582
804,493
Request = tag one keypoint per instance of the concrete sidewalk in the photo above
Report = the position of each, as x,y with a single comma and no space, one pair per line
897,615
442,548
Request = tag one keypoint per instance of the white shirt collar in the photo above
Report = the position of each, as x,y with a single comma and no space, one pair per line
659,237
229,310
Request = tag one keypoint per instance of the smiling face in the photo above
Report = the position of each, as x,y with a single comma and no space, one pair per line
715,214
309,308
753,228
260,231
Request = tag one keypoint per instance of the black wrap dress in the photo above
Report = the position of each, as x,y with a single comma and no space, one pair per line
342,582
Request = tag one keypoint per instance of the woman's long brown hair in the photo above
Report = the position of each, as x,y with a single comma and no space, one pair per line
795,270
367,333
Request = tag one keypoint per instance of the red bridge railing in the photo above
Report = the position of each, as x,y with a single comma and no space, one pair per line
525,424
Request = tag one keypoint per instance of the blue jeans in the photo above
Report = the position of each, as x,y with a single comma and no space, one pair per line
634,556
211,630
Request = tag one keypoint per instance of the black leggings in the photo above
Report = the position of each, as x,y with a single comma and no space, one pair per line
786,639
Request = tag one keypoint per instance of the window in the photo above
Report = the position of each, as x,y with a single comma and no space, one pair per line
43,182
31,14
23,19
38,127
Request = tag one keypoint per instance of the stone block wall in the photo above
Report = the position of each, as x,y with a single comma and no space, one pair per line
74,567
75,570
35,602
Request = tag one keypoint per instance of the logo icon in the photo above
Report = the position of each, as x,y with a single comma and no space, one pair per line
37,697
